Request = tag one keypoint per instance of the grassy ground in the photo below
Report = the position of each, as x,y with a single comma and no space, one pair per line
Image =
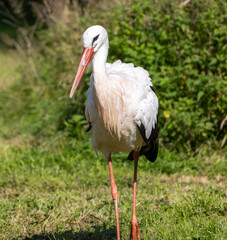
61,190
65,194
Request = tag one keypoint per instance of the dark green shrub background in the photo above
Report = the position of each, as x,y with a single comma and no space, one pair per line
184,48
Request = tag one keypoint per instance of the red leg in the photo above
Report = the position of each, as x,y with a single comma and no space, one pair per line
134,224
114,195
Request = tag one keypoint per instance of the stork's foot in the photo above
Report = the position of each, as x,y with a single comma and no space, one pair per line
134,229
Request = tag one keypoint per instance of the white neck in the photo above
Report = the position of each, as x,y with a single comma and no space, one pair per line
99,63
103,95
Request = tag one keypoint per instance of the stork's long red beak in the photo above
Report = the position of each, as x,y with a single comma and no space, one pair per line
85,59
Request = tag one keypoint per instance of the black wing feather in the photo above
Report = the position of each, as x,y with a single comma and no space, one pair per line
150,150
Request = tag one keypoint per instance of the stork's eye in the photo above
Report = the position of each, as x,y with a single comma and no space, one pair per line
94,39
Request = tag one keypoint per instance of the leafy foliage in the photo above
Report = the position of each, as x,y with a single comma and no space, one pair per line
184,49
182,46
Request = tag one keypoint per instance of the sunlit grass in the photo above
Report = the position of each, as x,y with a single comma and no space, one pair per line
65,194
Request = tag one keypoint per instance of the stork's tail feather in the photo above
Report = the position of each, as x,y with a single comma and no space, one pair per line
150,151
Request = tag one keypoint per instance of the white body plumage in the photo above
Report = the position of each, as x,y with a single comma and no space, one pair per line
129,101
119,100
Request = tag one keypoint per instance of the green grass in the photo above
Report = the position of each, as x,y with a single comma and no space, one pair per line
64,193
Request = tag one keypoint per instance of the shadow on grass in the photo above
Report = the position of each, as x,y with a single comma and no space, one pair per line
98,234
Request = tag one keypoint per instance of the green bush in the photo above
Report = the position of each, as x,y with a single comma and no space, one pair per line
182,46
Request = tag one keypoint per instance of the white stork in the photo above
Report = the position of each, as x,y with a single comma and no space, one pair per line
122,109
